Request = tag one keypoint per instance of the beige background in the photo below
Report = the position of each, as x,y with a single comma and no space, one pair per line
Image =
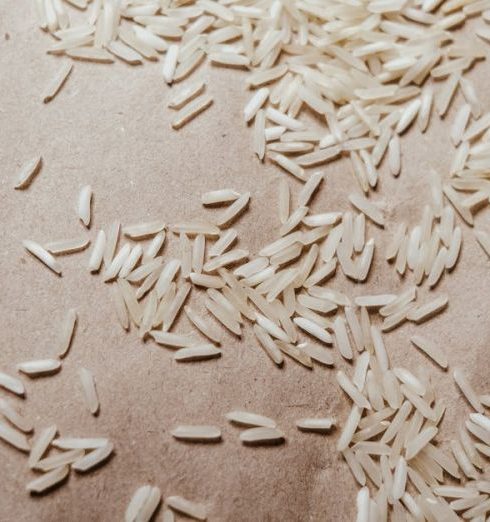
109,127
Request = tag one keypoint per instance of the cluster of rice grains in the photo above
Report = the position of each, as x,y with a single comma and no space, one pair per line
367,71
284,294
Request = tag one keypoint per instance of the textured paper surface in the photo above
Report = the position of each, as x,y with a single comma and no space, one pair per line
110,127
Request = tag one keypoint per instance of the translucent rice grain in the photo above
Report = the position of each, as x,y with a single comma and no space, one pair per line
368,208
234,210
67,246
89,390
143,230
170,63
14,417
217,197
318,354
288,165
112,271
93,459
255,103
43,255
309,188
467,390
48,480
27,172
67,331
346,384
191,110
428,310
41,444
197,353
349,429
39,367
268,345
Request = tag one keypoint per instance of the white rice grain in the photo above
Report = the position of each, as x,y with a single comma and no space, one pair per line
48,480
41,444
197,353
27,172
467,390
97,253
187,507
89,390
13,437
93,459
262,435
143,504
39,367
43,255
319,425
196,433
67,331
57,82
191,110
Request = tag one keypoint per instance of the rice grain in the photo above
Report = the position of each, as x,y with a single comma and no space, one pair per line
28,172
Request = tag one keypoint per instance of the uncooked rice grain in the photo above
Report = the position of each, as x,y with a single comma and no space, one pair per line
143,504
48,480
197,353
93,459
191,110
43,255
67,246
84,205
320,425
262,435
196,433
14,437
39,367
28,172
187,507
67,330
467,390
89,390
57,82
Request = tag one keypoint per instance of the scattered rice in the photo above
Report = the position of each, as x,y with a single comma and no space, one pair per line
467,390
69,443
13,437
57,82
428,310
28,172
12,384
262,435
48,480
14,417
191,110
93,459
197,433
84,205
315,425
89,390
187,507
197,353
43,255
143,230
268,344
369,209
39,367
67,246
60,459
41,444
143,504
